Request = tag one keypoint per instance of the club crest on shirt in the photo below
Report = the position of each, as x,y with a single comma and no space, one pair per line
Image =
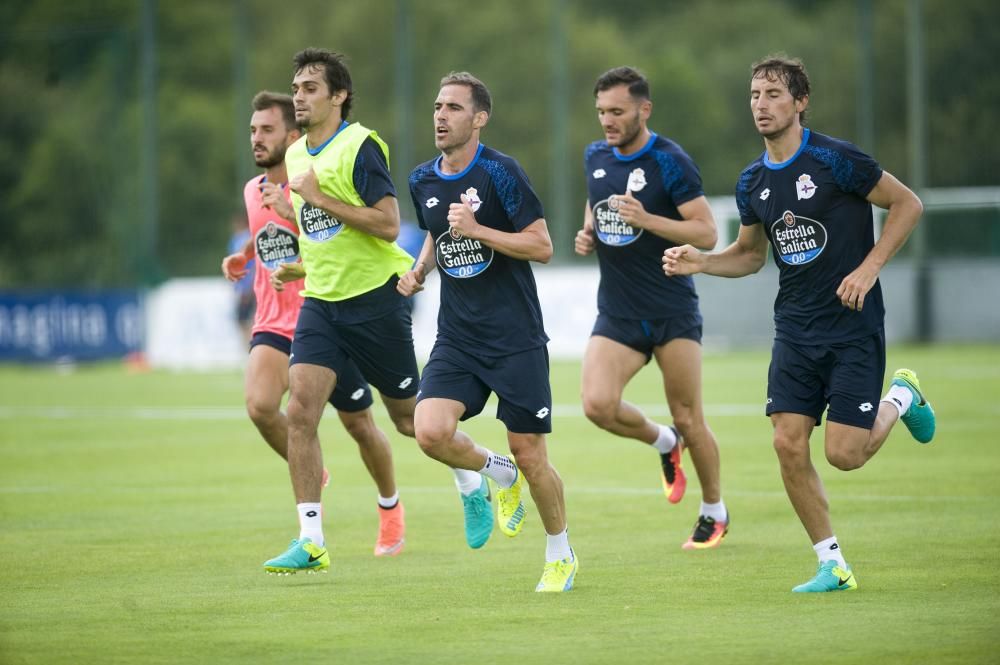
474,200
318,224
609,226
461,257
797,240
804,187
276,245
636,180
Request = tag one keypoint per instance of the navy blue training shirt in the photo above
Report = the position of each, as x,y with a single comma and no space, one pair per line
489,302
662,176
821,228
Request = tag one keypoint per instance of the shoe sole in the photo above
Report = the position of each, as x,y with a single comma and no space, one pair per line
390,551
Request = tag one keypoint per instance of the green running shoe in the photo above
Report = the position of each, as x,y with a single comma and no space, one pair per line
301,555
510,507
919,418
478,515
829,577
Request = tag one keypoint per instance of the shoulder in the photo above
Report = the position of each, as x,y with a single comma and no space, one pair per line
749,172
594,149
297,149
667,152
501,168
852,168
422,172
253,185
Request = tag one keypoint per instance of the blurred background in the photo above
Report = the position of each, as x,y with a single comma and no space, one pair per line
125,144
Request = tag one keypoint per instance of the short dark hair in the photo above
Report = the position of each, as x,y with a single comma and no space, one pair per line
790,71
481,99
335,71
637,84
265,99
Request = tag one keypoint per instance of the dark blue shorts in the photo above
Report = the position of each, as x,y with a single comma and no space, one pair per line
847,376
373,331
520,381
351,394
643,335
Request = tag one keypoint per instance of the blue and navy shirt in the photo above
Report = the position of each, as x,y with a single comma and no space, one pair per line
820,226
489,302
662,176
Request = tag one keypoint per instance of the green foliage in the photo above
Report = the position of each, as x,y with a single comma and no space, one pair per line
71,149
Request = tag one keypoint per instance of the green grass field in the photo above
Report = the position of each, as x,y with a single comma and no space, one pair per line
137,510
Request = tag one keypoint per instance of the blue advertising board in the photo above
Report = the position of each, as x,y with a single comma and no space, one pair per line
69,325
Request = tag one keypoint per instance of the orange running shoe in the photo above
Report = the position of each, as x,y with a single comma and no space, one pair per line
674,480
707,533
391,530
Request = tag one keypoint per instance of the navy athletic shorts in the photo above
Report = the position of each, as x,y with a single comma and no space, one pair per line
351,394
847,376
373,330
643,335
520,381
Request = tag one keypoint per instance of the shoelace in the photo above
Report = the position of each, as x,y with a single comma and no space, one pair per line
703,529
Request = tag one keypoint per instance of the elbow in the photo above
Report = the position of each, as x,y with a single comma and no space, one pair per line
545,255
709,240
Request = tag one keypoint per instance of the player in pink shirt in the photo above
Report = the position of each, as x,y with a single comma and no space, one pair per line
274,243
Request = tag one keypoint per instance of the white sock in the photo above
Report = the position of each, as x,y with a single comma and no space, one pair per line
717,511
829,550
388,502
557,546
500,469
467,481
311,522
665,440
900,397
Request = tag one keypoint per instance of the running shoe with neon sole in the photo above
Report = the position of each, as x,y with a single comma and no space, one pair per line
301,555
510,507
829,577
919,418
671,473
558,576
707,533
478,515
391,530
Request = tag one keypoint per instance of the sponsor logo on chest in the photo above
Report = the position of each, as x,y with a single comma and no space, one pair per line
318,224
797,240
276,245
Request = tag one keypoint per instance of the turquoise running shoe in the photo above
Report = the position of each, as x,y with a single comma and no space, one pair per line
301,555
919,418
478,515
829,577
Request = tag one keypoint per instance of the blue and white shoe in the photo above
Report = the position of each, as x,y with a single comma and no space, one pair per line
301,555
478,515
829,577
919,418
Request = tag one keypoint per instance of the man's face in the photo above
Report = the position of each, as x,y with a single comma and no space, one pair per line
268,137
455,118
621,116
773,107
312,97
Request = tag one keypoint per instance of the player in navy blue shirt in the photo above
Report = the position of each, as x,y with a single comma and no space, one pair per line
644,195
810,196
484,224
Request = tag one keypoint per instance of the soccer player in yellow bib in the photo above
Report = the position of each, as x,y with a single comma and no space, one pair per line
345,206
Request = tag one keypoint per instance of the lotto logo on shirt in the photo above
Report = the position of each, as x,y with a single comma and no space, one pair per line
461,257
611,229
276,245
798,240
317,223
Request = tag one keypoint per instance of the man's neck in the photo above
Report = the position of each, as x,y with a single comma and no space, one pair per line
783,147
277,174
319,134
458,159
636,144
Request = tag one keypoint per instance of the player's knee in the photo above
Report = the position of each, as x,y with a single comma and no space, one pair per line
261,412
599,411
685,423
360,427
404,425
790,450
531,460
434,439
845,460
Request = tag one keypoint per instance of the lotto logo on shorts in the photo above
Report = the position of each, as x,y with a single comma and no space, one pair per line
406,382
542,412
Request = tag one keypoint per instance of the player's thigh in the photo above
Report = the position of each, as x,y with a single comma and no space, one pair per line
855,382
608,365
266,379
797,380
453,374
436,418
521,382
679,361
